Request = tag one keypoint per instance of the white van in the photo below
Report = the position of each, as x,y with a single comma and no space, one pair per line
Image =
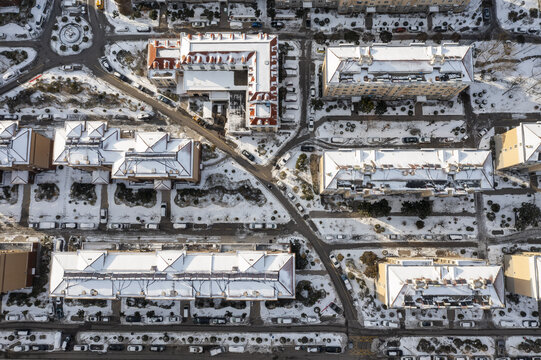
236,348
291,73
152,226
87,226
180,226
455,237
217,350
143,28
235,25
48,225
338,140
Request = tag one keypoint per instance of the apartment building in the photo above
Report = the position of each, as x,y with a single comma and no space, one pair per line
17,268
22,152
173,275
111,153
423,283
382,71
238,69
523,274
359,173
519,148
380,6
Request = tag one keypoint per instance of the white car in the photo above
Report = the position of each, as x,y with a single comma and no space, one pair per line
143,116
135,348
45,117
300,208
467,324
520,30
195,349
21,348
311,123
530,323
80,347
334,261
414,29
482,132
312,91
103,216
291,196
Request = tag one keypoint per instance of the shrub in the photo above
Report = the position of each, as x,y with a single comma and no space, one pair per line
420,224
153,14
528,215
422,208
366,105
376,209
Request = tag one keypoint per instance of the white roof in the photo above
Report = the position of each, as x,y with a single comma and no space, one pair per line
14,144
416,62
408,170
529,140
145,155
426,285
171,274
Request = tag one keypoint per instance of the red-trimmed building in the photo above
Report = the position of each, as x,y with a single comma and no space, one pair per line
237,68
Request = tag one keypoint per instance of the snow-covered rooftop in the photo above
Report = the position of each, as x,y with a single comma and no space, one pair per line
391,63
224,56
376,172
148,155
425,283
14,144
174,275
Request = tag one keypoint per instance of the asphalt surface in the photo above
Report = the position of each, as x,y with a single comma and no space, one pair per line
47,59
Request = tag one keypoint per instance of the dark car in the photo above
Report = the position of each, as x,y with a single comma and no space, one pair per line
115,347
202,320
122,77
308,148
337,309
410,140
400,30
308,23
96,347
133,318
277,24
440,28
145,90
333,349
486,14
105,64
248,155
257,25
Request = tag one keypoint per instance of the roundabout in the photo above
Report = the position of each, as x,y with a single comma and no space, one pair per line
71,35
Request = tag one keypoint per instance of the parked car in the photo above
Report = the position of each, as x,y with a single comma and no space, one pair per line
486,14
198,24
118,226
425,140
105,64
45,117
312,91
482,132
467,324
334,261
166,100
21,348
248,155
115,347
530,323
257,25
143,28
337,309
133,318
80,347
442,28
426,323
66,342
520,30
195,349
311,123
152,226
157,348
155,319
284,159
291,196
277,24
163,209
410,140
414,29
299,207
103,216
308,148
135,348
399,30
122,77
394,352
271,226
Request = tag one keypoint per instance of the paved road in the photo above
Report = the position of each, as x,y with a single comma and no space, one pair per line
48,59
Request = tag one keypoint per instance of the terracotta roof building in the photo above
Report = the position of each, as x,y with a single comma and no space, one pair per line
217,64
17,269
